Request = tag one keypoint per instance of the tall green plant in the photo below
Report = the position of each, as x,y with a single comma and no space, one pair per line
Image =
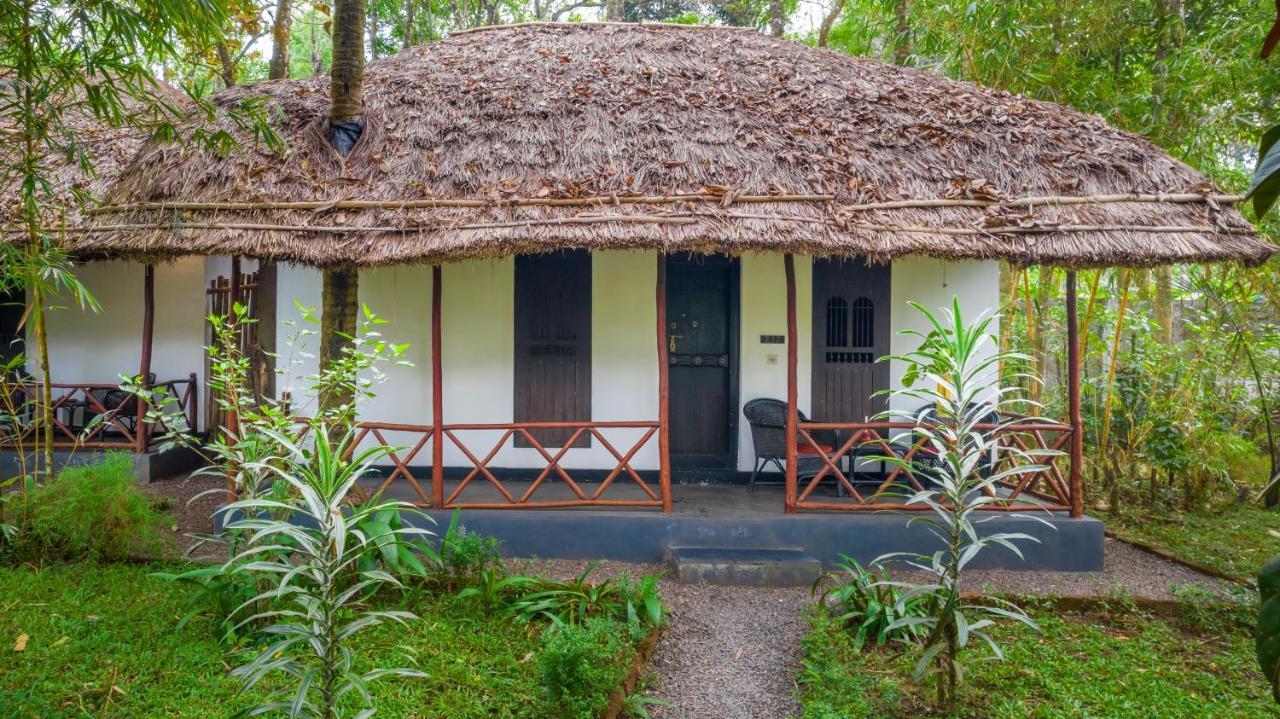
317,602
957,366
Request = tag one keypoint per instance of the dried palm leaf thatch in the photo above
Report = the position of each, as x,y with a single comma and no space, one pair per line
80,167
542,137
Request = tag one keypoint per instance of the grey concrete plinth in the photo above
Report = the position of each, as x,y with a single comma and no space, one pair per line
744,566
1063,544
148,466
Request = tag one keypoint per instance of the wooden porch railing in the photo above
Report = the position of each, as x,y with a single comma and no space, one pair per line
1046,489
99,415
427,481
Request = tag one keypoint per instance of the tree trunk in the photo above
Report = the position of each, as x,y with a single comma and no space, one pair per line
828,21
776,22
227,65
346,88
901,32
410,23
373,31
317,63
615,10
280,31
1163,301
1171,21
339,307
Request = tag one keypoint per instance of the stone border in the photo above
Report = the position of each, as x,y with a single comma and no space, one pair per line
644,652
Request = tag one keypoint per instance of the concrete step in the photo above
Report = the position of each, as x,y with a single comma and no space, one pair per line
744,566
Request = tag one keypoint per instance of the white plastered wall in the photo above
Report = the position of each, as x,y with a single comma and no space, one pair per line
478,338
99,347
763,367
933,283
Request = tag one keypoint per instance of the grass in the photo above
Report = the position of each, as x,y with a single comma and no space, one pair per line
1230,538
1113,664
102,643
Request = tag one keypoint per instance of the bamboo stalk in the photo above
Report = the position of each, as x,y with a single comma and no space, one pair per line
1088,313
678,219
725,198
1105,435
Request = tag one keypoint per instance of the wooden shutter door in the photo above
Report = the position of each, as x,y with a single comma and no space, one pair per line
553,343
850,332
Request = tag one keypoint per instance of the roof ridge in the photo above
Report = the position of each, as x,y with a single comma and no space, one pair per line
604,24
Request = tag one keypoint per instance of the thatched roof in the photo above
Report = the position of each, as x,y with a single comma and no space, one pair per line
545,136
104,149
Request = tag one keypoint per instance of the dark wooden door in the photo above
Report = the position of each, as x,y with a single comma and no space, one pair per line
702,300
850,332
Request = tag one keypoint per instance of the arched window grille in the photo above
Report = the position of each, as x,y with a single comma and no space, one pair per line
837,322
863,323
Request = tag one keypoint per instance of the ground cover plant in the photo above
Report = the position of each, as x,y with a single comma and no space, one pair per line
101,640
1115,662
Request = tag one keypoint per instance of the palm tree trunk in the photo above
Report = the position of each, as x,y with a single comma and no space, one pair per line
346,88
340,303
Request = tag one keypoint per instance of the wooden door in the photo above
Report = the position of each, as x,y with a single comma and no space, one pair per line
553,344
850,332
702,299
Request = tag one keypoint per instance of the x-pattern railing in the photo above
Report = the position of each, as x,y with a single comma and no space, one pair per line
402,455
1046,488
527,431
97,415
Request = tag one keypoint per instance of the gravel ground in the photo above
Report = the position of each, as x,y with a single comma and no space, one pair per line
191,503
732,651
1126,569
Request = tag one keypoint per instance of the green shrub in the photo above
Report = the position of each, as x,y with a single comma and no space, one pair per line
577,600
582,664
868,604
91,512
463,559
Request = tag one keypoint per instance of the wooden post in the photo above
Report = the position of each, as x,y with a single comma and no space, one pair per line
793,392
664,394
235,286
1073,400
142,430
437,394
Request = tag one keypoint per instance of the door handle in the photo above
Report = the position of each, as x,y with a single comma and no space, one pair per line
671,342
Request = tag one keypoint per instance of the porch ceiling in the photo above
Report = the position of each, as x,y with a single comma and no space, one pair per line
541,137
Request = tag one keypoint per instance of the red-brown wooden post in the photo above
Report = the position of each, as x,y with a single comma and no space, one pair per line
1073,400
437,394
664,424
142,430
793,392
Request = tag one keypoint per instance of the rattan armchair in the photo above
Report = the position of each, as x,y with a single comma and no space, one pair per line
768,420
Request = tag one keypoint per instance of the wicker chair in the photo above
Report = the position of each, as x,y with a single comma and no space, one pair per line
768,420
